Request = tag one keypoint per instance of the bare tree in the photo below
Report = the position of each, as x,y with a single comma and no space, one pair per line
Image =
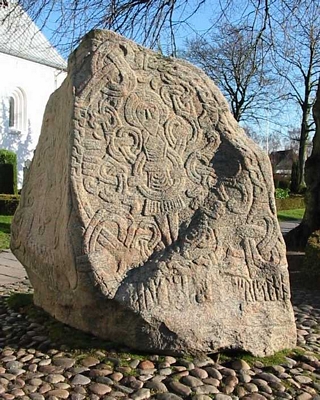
297,60
292,141
147,21
298,237
236,59
142,20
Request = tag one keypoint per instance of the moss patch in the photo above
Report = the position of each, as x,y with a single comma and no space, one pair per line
269,361
81,344
18,301
78,343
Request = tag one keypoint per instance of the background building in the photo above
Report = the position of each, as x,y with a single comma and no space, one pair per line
30,70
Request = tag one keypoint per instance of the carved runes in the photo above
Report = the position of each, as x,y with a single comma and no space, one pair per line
149,211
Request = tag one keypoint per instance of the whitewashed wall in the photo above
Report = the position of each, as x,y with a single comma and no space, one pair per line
37,82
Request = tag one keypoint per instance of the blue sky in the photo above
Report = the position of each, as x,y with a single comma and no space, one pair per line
200,24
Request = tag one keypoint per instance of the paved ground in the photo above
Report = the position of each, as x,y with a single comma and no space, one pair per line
287,226
12,271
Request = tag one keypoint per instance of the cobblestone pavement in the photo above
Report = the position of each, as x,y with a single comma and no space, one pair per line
32,366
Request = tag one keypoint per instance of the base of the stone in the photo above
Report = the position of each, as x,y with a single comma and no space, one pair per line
112,321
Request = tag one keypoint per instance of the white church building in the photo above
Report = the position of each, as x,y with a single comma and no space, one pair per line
30,70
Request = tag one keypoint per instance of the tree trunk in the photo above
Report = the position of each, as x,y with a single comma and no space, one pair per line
297,238
303,153
304,134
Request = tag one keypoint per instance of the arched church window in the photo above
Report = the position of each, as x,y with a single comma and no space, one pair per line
18,111
11,112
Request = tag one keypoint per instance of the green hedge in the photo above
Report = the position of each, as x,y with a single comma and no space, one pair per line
8,203
6,178
8,172
290,203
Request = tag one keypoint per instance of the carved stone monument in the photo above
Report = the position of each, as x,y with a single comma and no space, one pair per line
148,216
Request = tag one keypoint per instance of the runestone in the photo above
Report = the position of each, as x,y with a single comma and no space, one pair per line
148,216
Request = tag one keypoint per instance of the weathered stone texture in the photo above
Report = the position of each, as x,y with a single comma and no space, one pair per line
148,216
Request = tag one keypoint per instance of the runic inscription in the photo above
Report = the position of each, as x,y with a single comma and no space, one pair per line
144,156
149,211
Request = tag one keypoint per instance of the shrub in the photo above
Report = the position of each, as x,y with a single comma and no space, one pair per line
8,203
8,172
282,193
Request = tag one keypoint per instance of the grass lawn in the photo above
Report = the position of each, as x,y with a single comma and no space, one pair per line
5,221
286,215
